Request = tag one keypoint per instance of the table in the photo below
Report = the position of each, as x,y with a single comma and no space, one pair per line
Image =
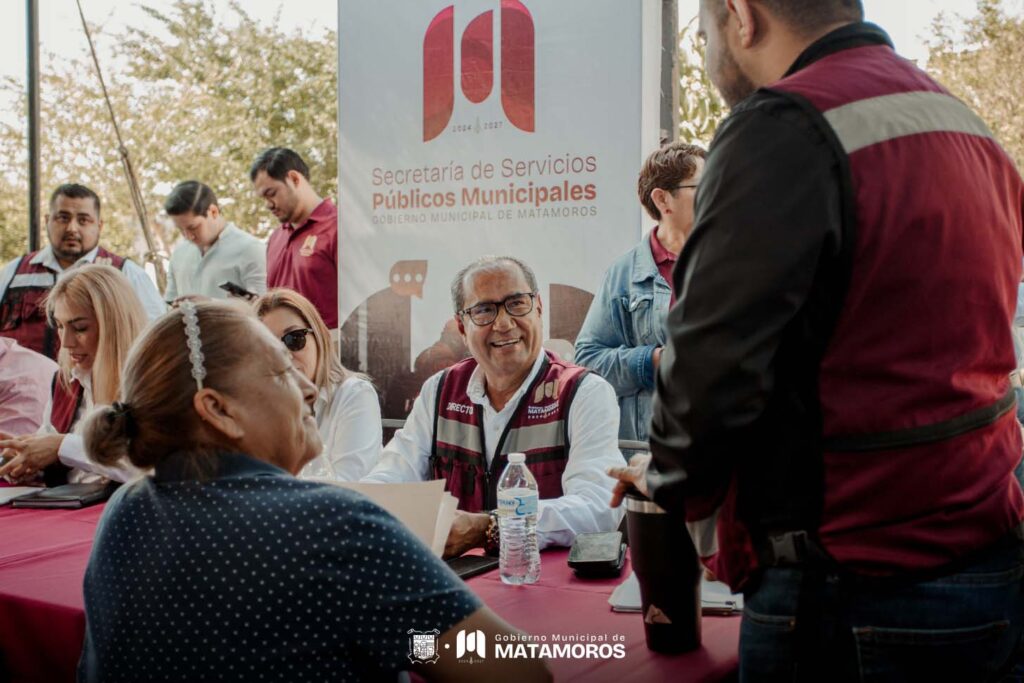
43,554
562,604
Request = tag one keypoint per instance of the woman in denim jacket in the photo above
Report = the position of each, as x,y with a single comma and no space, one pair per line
624,331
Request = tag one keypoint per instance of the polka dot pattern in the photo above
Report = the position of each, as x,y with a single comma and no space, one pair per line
257,576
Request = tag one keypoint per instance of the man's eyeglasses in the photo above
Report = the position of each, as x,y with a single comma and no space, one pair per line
295,340
486,312
683,187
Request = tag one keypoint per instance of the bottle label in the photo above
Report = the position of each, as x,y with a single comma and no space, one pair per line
517,505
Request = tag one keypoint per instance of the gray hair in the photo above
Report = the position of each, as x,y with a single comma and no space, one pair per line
487,264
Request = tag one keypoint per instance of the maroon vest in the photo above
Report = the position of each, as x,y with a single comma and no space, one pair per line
919,436
66,402
23,308
538,428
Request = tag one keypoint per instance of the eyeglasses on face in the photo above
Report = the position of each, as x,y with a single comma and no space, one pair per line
296,339
683,187
486,312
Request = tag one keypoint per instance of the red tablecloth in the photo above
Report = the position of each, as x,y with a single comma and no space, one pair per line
43,554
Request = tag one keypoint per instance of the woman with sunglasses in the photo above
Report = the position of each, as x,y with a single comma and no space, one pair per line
97,315
347,408
624,331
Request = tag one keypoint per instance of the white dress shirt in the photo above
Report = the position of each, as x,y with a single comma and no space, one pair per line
140,282
72,449
593,438
350,428
236,257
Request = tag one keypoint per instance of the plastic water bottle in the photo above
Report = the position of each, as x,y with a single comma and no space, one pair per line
519,559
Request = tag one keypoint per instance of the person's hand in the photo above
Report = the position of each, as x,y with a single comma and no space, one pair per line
656,357
28,455
633,476
468,531
194,298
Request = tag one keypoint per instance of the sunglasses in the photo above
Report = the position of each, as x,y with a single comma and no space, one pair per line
296,339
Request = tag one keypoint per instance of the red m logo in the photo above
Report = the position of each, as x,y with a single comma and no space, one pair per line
478,66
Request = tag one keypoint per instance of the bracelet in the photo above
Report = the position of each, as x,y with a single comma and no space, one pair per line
492,537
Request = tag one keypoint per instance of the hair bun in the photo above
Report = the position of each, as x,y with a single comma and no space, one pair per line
106,432
123,411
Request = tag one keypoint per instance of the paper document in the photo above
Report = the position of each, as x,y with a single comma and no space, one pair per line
423,506
715,597
9,493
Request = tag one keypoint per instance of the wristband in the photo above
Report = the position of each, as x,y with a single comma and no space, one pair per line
492,537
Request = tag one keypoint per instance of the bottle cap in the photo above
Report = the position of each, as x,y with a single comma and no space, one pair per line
516,458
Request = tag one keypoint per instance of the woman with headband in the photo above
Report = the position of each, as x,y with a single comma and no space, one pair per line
222,565
97,316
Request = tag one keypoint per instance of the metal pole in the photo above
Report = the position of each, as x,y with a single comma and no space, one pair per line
669,70
32,48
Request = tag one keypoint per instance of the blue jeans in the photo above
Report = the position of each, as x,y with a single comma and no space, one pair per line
965,626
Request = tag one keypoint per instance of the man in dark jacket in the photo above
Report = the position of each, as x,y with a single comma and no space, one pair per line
834,401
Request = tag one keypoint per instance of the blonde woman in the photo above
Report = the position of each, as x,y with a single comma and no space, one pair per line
347,408
97,316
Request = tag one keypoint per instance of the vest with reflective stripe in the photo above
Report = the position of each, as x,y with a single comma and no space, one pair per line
919,439
23,308
66,402
538,428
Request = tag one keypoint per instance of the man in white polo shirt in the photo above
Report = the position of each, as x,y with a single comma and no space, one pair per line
215,252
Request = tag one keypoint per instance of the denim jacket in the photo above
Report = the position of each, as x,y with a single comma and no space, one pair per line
625,323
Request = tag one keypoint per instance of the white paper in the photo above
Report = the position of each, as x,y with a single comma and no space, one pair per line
9,493
424,507
715,597
626,596
445,517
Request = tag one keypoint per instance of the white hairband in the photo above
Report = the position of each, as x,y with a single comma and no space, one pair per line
195,349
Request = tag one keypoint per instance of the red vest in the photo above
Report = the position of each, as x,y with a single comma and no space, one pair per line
919,439
538,428
23,308
66,402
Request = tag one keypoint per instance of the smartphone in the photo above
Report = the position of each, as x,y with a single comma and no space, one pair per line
235,290
596,555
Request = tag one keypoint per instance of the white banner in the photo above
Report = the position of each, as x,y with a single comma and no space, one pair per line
483,127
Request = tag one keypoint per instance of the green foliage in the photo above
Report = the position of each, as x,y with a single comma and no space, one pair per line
701,108
981,60
197,97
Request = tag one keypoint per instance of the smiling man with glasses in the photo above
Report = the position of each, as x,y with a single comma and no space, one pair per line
511,396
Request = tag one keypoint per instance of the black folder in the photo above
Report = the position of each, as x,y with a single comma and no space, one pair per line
69,496
469,566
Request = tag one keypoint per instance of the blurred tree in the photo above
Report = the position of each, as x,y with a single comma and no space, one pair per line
197,97
980,59
701,108
13,214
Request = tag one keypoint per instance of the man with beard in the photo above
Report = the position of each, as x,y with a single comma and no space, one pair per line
73,226
834,399
302,254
